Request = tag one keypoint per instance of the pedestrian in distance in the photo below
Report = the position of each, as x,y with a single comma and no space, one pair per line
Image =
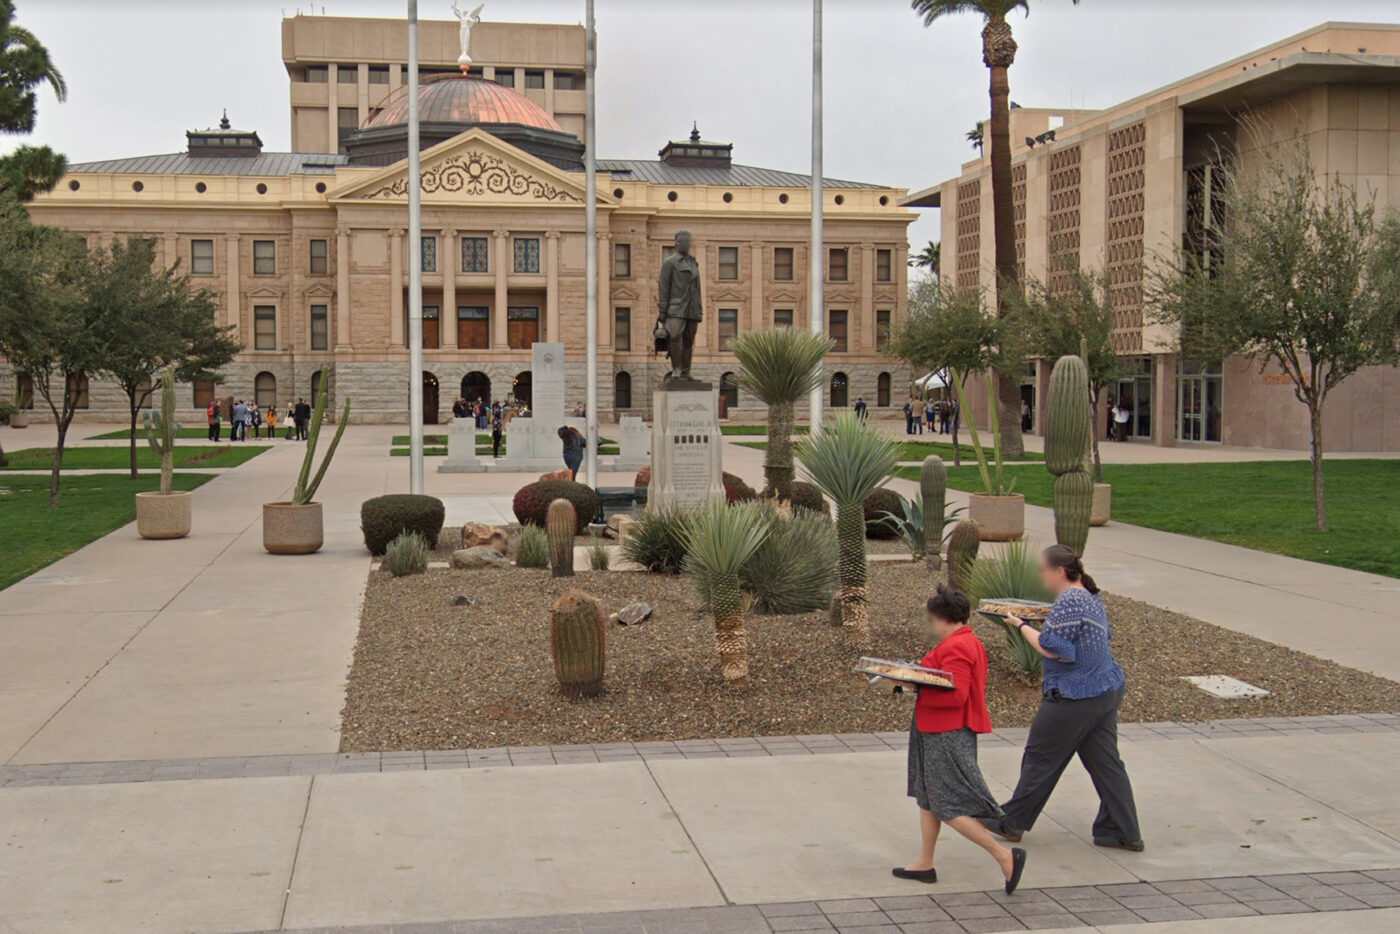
862,409
214,420
574,443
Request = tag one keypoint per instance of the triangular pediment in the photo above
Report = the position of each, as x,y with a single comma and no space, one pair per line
471,168
320,290
625,292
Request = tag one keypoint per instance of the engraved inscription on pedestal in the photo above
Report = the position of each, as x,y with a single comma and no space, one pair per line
686,448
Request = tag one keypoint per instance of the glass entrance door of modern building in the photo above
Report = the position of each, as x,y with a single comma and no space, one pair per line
1135,391
1199,397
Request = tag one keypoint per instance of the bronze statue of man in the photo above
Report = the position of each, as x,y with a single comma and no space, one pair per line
679,307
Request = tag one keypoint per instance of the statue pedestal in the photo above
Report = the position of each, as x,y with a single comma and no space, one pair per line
687,447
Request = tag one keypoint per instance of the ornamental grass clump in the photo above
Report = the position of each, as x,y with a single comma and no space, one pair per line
599,559
407,554
532,548
1011,573
658,540
779,366
719,540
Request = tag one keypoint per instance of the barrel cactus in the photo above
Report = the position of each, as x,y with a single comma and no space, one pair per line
578,638
560,523
162,429
963,543
933,488
1068,435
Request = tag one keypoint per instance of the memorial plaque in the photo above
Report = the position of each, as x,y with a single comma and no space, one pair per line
686,463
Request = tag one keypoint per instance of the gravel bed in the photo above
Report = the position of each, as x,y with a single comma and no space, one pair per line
428,675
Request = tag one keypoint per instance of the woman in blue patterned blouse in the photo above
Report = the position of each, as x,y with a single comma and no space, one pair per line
1083,689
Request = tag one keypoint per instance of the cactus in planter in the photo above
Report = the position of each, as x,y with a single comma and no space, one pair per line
578,638
162,429
306,488
560,522
1067,439
963,543
933,489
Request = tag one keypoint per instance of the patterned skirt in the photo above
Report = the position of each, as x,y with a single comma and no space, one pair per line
944,777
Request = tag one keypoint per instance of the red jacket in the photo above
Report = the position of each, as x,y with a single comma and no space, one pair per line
942,711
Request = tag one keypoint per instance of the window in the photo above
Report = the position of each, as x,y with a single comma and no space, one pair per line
622,329
347,120
622,260
505,77
836,330
76,390
840,391
320,327
729,262
622,390
427,254
315,386
317,74
264,327
534,80
476,254
667,250
527,254
728,326
264,257
565,81
882,329
347,74
884,266
838,264
882,390
782,263
201,257
203,393
265,390
729,391
522,327
473,327
379,74
143,393
782,318
320,257
432,332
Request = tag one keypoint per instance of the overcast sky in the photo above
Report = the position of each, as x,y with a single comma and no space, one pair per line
899,97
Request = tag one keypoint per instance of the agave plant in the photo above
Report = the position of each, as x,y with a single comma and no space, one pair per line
911,525
719,539
780,366
848,461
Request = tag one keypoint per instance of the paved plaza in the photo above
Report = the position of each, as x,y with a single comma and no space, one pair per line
169,742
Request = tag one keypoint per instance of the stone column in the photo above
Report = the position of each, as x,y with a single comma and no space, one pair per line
551,295
498,313
397,339
232,293
866,339
605,311
447,315
332,108
342,289
756,290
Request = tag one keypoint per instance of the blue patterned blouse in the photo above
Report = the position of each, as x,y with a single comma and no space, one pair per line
1078,635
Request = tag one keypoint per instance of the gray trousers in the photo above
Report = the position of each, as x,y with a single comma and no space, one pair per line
1065,728
680,335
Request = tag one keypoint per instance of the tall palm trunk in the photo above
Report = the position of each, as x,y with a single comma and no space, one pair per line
777,460
852,572
998,53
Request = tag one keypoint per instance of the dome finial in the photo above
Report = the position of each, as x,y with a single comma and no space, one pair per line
694,132
223,121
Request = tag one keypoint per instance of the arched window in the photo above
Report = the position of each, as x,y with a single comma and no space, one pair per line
76,388
265,390
729,390
315,386
522,389
476,386
882,390
622,390
840,391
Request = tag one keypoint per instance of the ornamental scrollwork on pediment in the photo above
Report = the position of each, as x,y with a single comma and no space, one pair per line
480,174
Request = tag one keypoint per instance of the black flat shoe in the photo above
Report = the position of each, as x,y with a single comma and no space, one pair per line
926,876
1018,865
1133,846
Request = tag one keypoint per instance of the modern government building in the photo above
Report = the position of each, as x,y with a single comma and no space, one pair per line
310,254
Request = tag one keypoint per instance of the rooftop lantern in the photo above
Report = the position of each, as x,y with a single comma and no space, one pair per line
697,152
224,141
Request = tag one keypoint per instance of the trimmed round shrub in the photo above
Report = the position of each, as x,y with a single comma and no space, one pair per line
877,524
384,518
806,496
736,490
531,504
658,539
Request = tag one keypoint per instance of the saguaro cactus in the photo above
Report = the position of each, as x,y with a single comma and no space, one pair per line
578,638
963,543
1068,430
933,487
560,523
306,488
162,429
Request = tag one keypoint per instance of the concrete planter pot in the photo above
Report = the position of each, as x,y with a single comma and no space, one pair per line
998,518
19,419
289,529
1103,504
163,515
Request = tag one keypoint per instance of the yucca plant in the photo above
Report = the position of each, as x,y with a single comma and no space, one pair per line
532,548
780,366
1012,572
848,461
719,539
407,554
794,570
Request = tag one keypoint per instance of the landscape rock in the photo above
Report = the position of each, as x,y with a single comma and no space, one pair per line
632,614
466,599
643,477
482,556
475,534
626,527
557,475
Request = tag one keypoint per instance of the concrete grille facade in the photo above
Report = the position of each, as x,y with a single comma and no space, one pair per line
1127,152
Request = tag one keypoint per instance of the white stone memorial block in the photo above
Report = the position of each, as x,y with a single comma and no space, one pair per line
687,449
634,449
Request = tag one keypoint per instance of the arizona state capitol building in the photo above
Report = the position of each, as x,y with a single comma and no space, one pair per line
310,254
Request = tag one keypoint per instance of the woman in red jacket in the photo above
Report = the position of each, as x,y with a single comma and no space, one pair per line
943,775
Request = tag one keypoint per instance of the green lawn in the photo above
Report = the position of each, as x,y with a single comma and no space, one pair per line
88,508
1262,504
915,450
112,458
756,430
481,449
190,434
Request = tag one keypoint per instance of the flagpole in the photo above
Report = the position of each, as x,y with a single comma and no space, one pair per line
415,266
590,247
816,260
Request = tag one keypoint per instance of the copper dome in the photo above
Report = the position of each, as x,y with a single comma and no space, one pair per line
466,100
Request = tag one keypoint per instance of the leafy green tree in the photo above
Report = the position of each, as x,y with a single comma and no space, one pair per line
24,66
780,366
930,258
998,53
152,318
1309,282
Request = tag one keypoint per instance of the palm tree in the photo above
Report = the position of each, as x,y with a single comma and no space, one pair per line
24,66
974,136
719,540
998,53
780,366
848,461
930,258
